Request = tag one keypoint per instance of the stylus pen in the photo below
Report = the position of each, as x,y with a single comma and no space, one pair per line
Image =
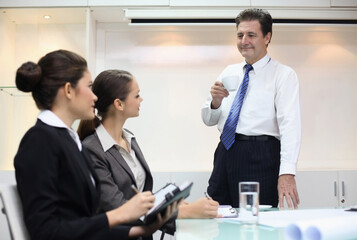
135,189
207,196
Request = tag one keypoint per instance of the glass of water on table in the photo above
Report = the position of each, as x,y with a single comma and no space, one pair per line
249,202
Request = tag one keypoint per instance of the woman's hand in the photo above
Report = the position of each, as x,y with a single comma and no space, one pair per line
201,208
148,230
132,210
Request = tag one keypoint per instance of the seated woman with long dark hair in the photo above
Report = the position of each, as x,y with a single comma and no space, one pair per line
118,159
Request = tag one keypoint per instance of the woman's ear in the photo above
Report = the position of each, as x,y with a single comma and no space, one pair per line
68,90
118,104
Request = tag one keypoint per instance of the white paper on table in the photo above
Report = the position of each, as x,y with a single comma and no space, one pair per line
227,211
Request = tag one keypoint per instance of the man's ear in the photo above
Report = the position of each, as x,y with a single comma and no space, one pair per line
267,38
118,104
68,90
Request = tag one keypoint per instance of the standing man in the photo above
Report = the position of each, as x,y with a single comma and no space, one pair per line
259,121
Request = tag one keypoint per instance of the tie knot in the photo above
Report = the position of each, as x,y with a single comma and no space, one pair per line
248,67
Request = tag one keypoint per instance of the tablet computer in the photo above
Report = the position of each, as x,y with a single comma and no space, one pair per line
165,196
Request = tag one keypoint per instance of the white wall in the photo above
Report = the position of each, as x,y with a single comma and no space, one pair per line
175,67
20,43
7,53
325,59
7,49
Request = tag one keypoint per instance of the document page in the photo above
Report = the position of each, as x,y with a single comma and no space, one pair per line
227,211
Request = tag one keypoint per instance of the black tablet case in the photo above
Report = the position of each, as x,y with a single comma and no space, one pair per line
170,197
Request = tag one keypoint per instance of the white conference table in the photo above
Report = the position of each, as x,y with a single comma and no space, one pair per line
224,229
273,225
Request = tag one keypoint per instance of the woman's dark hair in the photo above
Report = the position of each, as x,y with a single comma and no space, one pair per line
108,86
51,72
264,18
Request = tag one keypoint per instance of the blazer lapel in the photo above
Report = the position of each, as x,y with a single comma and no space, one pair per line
139,155
88,161
82,161
149,180
114,154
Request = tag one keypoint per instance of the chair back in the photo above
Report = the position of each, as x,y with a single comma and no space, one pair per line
12,208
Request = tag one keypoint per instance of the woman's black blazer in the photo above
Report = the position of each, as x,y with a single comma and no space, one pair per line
58,195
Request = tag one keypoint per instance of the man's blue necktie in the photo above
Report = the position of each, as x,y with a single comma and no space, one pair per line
230,126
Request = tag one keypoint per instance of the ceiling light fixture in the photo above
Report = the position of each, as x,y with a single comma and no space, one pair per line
47,17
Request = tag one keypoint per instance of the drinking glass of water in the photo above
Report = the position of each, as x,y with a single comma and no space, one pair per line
248,202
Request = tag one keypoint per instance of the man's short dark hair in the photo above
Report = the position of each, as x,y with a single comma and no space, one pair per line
264,18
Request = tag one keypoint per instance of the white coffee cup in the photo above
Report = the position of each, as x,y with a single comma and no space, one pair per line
230,83
248,202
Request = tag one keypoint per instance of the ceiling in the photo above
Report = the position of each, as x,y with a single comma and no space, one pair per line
61,15
116,14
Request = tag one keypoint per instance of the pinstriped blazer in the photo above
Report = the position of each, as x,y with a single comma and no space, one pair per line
114,173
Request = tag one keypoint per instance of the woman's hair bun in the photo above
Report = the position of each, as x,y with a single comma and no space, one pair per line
28,76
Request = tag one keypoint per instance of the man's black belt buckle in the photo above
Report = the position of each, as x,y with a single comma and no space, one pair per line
241,137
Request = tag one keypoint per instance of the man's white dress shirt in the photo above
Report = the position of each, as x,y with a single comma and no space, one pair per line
271,107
